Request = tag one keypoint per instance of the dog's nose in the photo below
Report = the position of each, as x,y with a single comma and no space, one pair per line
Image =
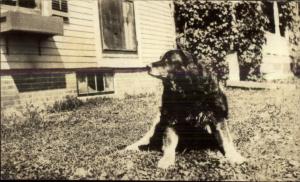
148,67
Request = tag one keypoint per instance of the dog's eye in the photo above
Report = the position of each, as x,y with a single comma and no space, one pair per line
159,64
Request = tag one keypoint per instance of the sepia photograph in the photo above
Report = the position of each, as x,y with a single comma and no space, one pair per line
185,90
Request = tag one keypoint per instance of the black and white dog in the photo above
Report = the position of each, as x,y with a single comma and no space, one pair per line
191,98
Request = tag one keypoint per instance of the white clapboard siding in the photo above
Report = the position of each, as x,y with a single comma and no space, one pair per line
79,46
42,65
39,62
74,40
76,48
19,50
80,28
77,21
78,33
81,16
157,29
81,3
67,52
80,9
33,49
64,45
48,58
155,35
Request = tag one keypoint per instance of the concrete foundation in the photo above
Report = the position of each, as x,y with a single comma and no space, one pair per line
49,87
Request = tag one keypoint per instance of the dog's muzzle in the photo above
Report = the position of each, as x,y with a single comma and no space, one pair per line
148,67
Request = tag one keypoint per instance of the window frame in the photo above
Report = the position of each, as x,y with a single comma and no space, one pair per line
58,12
44,7
298,8
95,74
119,50
37,10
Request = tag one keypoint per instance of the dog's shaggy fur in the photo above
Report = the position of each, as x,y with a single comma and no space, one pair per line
191,98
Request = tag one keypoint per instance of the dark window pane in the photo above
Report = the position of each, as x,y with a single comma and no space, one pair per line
60,5
283,24
55,5
9,2
91,83
112,25
40,81
100,83
27,3
64,6
94,82
269,12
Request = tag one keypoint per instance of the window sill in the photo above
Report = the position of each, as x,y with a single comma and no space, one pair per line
60,13
120,50
119,54
96,93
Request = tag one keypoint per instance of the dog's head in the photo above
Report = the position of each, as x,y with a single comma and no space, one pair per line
174,61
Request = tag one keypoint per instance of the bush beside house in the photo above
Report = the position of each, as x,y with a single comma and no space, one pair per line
211,30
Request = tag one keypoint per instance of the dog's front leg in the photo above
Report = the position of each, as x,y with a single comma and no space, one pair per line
146,138
170,142
225,141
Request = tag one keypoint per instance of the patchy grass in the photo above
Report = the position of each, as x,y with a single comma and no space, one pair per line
86,143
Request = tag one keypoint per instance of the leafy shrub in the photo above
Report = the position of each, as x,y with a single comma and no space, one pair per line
34,116
210,30
68,104
142,95
249,38
98,101
206,31
294,39
25,122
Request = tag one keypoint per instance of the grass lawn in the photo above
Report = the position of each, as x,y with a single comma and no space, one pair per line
86,143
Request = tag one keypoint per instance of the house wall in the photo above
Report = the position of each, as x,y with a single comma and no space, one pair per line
80,47
155,31
13,94
14,88
135,83
76,48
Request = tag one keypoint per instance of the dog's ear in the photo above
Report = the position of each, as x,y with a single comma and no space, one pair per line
187,57
166,57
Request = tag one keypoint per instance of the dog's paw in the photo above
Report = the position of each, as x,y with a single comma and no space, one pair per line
132,147
235,157
166,162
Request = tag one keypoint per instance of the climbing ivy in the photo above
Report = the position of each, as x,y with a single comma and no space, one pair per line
294,38
212,29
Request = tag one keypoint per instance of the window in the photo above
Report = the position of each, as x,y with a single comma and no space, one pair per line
60,5
269,12
91,83
60,9
299,8
21,3
273,16
118,25
39,81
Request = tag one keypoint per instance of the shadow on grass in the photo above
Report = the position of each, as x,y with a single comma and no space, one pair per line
190,138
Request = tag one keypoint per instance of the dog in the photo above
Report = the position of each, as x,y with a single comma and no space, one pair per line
191,98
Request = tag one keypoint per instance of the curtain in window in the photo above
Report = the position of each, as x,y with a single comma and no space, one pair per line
112,24
118,26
